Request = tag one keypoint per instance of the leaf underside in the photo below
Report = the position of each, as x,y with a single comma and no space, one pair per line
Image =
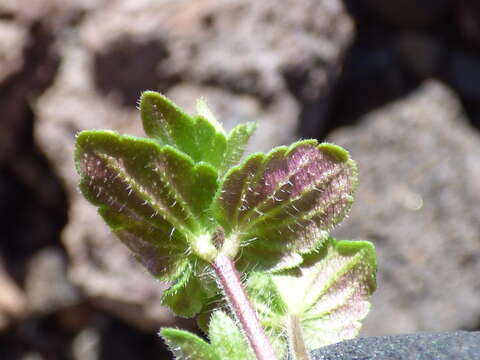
285,202
328,293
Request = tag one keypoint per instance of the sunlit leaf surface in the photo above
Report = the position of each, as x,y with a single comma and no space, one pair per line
327,294
287,201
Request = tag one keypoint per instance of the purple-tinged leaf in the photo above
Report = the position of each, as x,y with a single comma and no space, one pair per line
321,302
162,258
145,182
155,199
286,201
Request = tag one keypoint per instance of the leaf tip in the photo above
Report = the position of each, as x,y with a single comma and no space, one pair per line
338,153
204,111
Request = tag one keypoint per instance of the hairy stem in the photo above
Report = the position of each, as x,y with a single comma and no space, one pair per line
228,277
297,347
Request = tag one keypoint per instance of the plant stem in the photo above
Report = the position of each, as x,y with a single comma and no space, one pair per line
228,277
297,347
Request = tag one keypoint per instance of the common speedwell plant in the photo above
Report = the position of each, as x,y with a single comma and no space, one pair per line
253,235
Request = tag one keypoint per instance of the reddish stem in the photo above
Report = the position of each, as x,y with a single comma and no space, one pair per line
228,277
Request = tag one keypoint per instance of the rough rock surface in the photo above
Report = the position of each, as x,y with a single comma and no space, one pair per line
409,13
47,287
460,345
12,299
242,56
418,202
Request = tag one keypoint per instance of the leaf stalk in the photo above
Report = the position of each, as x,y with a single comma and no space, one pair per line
297,347
229,279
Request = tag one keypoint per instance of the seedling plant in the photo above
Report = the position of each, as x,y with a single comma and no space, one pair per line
244,244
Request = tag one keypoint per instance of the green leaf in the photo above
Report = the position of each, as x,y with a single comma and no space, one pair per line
162,258
200,137
328,294
187,346
204,111
144,181
284,203
227,339
156,200
214,303
236,143
188,295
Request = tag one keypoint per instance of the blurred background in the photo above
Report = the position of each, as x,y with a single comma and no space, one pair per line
395,82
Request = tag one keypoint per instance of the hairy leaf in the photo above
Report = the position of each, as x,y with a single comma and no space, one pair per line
236,142
327,294
155,199
284,203
227,339
144,181
187,346
200,137
187,296
204,111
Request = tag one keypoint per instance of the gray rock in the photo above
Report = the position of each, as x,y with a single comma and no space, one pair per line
13,39
232,53
460,345
12,299
423,54
418,202
47,286
86,345
465,74
468,20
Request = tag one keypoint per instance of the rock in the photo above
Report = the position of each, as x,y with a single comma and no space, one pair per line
47,287
410,13
422,53
32,356
86,345
460,345
12,300
186,50
468,19
13,39
418,202
100,265
465,74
